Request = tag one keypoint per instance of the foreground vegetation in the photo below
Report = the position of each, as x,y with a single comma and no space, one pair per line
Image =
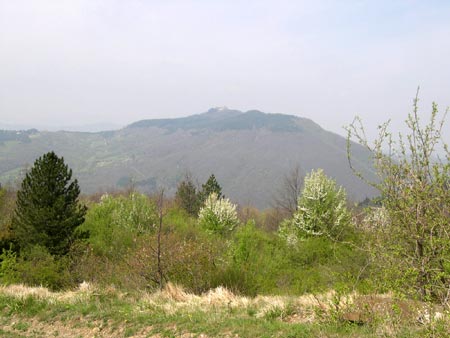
172,312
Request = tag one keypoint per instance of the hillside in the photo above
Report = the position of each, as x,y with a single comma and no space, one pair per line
249,152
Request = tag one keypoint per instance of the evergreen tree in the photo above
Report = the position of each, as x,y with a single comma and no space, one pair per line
47,210
187,196
211,186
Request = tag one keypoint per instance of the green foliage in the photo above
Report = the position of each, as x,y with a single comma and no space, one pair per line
116,227
190,199
8,271
113,224
211,186
321,210
35,266
7,202
190,258
409,233
256,262
179,220
218,215
187,196
263,263
47,210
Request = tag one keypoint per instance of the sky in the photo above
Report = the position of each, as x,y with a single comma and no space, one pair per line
81,62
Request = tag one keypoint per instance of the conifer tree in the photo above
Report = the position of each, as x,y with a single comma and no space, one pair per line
47,210
211,186
187,196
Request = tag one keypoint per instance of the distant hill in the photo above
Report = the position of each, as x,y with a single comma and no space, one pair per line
249,152
95,127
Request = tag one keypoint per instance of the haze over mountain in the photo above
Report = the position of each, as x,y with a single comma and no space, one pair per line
249,152
94,127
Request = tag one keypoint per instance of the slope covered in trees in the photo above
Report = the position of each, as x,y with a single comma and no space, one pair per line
248,152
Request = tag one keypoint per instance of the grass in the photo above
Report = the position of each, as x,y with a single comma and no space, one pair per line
93,312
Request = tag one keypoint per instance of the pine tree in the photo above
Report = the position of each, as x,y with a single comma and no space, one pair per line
187,196
47,210
211,186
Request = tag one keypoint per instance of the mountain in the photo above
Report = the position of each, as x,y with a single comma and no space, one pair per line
249,153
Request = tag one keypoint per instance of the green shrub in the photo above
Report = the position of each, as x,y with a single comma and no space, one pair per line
409,234
263,263
218,215
113,224
8,267
36,267
322,207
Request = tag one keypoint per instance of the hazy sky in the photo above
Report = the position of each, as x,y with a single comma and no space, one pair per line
76,62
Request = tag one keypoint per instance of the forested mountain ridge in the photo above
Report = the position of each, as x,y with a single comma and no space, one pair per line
249,152
221,119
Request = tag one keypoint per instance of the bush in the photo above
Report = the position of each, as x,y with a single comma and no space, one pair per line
321,210
36,267
218,215
410,237
8,267
263,263
191,258
113,224
256,262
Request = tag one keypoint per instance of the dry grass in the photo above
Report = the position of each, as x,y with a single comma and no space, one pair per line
383,312
21,291
174,299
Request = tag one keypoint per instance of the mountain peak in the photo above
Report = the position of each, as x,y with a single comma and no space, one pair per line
221,112
224,118
218,109
249,151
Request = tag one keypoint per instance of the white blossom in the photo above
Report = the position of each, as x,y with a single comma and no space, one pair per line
321,207
218,215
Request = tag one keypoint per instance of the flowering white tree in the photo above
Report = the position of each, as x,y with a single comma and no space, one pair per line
218,215
322,206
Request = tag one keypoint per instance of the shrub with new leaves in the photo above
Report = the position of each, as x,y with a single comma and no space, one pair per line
321,207
218,215
113,223
410,233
